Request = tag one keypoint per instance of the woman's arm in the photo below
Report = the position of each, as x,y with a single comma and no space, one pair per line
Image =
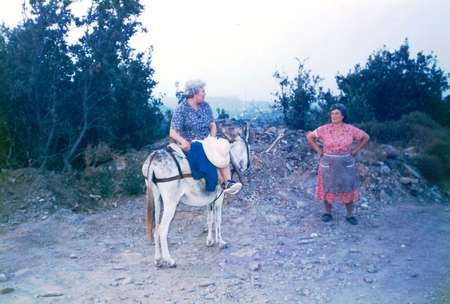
185,145
364,140
311,137
213,129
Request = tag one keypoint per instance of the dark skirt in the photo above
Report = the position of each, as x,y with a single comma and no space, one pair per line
339,173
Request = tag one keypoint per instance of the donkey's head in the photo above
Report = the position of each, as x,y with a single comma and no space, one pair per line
240,150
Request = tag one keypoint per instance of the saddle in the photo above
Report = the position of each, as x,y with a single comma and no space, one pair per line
176,149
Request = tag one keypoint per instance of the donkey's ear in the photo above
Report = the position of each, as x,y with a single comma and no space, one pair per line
246,132
226,133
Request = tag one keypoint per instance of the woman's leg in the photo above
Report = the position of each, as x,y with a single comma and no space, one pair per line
327,207
350,218
225,174
230,187
326,217
349,208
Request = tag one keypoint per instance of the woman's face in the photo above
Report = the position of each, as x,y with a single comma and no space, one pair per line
200,96
336,116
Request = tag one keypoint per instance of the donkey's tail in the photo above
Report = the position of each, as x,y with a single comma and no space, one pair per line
147,171
150,217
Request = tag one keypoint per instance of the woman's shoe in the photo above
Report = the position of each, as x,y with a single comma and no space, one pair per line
326,217
352,220
232,187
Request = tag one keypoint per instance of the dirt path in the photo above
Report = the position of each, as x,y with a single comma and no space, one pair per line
280,252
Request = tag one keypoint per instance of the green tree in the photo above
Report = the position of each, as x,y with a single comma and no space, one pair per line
392,84
57,98
113,83
39,68
301,99
222,114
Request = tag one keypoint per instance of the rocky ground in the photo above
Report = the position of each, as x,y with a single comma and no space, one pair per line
280,251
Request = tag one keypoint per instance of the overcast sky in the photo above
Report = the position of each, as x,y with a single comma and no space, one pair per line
236,45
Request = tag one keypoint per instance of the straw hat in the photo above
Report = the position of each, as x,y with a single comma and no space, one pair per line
217,151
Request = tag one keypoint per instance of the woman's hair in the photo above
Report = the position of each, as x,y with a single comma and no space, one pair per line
342,109
192,87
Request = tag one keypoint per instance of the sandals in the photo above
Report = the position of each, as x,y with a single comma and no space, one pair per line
232,187
326,217
352,220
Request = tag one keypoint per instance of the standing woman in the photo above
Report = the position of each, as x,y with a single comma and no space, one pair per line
337,177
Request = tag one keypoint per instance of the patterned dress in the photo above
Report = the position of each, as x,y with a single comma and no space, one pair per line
336,141
192,123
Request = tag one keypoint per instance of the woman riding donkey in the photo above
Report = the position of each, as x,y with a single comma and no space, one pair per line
193,127
191,176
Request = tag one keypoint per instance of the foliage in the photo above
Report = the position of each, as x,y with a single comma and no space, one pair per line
417,129
392,84
301,99
58,99
222,114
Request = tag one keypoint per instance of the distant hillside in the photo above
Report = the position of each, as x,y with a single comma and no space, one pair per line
234,106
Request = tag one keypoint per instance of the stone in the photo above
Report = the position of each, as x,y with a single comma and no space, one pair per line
254,266
73,256
391,152
410,152
120,163
304,292
372,269
119,267
412,171
368,280
6,290
95,196
206,283
244,252
50,295
385,169
3,277
408,180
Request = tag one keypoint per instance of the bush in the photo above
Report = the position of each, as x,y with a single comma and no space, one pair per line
95,155
418,129
431,168
133,183
301,99
100,182
393,83
414,128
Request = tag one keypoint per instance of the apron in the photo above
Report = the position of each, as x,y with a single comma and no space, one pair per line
338,173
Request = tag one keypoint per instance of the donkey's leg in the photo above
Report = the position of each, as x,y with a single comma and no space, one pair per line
218,223
157,200
170,206
210,219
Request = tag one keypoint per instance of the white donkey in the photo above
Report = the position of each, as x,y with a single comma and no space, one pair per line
168,180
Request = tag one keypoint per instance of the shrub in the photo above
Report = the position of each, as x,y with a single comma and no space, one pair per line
431,168
133,183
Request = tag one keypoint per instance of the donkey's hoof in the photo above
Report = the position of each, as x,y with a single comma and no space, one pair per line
223,245
170,263
158,263
209,243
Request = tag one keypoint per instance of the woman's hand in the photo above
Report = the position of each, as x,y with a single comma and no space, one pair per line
185,146
354,152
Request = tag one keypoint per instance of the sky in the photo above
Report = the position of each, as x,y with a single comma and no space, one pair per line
235,46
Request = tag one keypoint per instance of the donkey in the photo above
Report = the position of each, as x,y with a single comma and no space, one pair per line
169,182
